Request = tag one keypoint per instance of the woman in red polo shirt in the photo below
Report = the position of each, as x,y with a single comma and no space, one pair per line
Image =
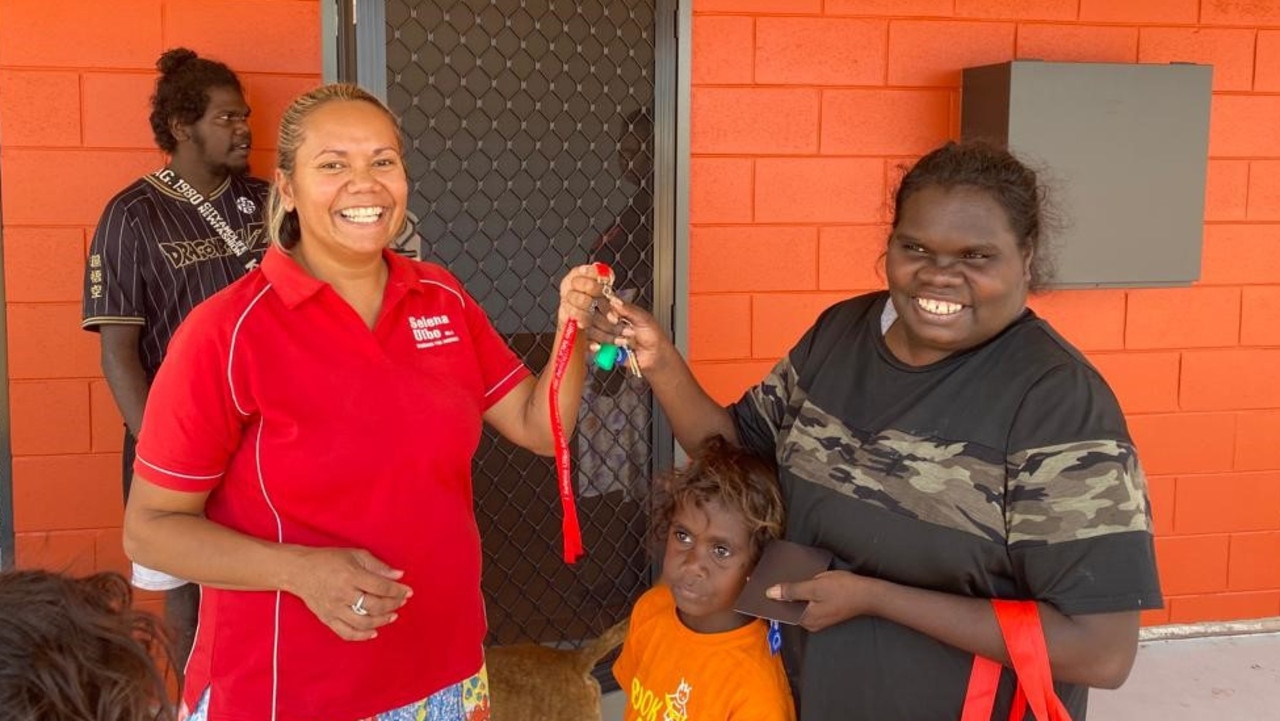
339,565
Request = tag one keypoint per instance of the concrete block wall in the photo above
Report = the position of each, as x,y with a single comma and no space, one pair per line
75,83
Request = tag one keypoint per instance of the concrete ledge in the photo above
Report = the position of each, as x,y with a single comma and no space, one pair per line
1210,629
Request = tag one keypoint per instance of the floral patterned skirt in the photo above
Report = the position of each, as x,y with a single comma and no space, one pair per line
467,700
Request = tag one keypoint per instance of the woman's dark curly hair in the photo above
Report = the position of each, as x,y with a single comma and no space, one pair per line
737,479
1009,181
73,648
182,91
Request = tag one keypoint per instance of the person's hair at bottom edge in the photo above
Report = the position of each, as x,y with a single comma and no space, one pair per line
76,649
737,479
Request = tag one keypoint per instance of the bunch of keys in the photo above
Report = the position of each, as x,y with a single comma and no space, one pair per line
609,354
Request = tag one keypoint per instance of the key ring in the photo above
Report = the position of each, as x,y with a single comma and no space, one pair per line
609,354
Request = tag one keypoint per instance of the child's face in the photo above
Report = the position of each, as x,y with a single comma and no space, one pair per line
708,557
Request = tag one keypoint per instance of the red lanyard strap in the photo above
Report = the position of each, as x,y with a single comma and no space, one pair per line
980,698
1024,640
564,475
569,524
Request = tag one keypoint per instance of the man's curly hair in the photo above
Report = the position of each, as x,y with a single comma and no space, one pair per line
737,479
182,91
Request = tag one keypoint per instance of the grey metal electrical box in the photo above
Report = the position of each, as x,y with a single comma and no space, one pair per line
1125,148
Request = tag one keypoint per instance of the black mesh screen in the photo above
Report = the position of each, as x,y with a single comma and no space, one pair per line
531,151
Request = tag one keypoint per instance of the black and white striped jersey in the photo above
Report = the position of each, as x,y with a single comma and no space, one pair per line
154,257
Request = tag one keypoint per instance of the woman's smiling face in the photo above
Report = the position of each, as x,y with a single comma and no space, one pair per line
957,274
349,184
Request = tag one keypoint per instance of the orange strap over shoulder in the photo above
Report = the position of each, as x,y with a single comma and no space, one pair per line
1024,640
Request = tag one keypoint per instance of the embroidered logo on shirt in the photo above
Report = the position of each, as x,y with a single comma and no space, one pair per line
675,706
430,331
95,276
246,206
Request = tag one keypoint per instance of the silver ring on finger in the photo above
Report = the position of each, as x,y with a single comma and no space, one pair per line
358,607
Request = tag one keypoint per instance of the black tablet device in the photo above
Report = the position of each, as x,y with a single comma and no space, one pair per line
781,562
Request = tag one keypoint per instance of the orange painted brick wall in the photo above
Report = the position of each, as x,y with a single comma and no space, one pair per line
802,112
75,82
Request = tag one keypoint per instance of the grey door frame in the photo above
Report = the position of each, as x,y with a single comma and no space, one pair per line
7,531
362,24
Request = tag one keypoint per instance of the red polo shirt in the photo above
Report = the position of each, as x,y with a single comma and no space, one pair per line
278,400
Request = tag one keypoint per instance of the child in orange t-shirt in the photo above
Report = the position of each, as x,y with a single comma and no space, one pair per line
688,654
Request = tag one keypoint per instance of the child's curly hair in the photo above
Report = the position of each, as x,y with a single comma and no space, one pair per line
74,648
736,478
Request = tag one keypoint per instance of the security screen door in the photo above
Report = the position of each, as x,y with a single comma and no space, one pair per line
531,148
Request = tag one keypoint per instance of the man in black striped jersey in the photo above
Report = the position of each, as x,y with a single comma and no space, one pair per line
167,242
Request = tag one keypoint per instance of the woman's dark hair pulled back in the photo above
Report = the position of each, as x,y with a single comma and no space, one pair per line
1009,181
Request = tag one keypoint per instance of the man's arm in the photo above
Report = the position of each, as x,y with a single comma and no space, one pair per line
123,369
113,307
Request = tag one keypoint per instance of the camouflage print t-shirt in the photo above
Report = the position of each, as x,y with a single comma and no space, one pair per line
1005,471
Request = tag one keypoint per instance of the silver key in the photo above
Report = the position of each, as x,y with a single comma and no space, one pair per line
633,364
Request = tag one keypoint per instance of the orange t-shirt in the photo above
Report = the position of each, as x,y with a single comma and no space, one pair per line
671,673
